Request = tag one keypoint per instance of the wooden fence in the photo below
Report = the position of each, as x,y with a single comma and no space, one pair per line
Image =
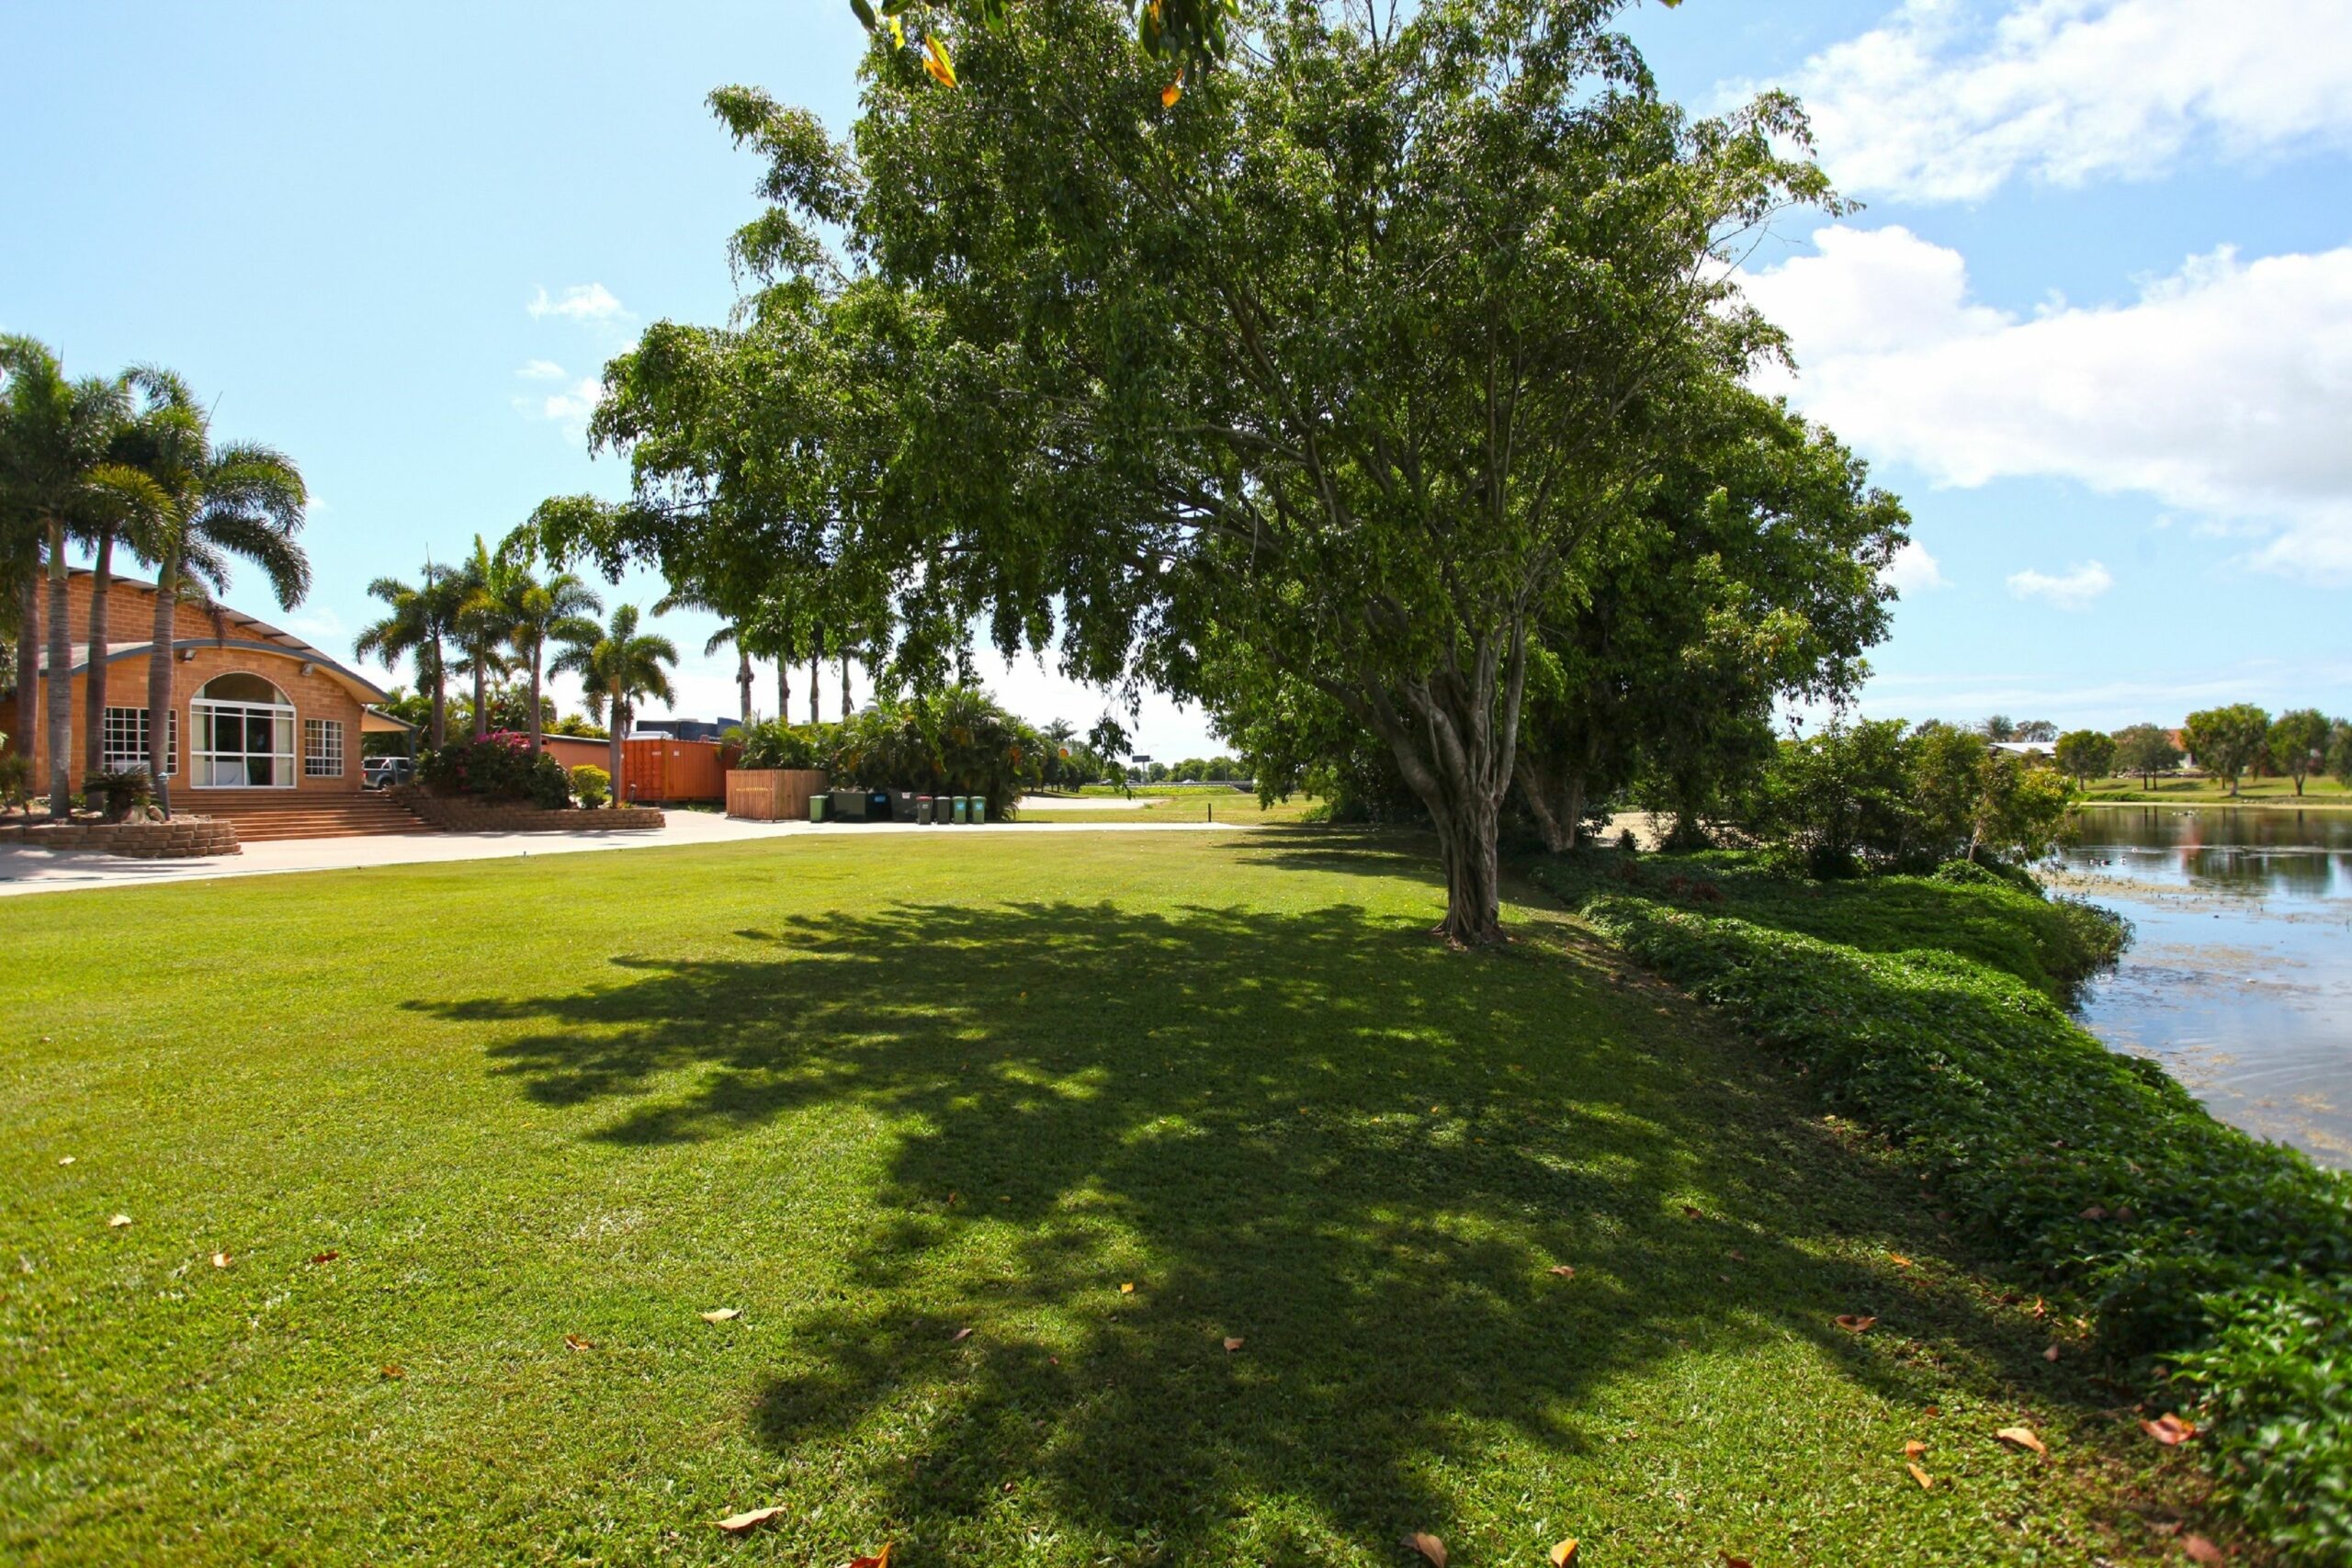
771,795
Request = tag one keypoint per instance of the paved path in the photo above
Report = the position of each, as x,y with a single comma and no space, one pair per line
24,870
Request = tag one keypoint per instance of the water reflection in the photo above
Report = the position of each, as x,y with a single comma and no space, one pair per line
2241,978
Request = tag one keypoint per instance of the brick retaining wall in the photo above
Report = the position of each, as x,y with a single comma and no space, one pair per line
178,839
463,814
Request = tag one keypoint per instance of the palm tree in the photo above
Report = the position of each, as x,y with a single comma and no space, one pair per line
418,627
616,665
190,508
733,632
55,434
481,627
537,611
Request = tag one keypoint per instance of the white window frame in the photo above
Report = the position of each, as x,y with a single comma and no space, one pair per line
133,721
281,717
322,748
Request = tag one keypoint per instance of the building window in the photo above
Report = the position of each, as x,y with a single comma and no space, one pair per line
322,748
123,741
244,734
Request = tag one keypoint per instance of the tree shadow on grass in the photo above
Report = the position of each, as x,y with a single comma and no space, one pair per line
1317,1132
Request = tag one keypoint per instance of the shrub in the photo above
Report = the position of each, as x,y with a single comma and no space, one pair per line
953,742
774,743
2190,1240
119,790
498,766
591,785
16,778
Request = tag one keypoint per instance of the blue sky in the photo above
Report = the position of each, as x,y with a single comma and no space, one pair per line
2094,322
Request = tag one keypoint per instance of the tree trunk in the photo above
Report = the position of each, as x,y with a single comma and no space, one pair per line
481,696
816,677
619,717
1454,736
537,727
784,687
159,681
440,700
844,687
94,685
1535,790
29,668
59,693
743,683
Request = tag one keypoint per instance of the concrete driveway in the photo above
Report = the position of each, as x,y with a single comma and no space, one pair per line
24,870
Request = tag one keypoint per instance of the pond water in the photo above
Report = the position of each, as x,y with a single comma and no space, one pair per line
2240,978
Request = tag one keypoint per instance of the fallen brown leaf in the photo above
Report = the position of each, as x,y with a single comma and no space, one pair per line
1854,1323
220,1261
574,1342
1564,1554
879,1559
1914,1448
1898,1260
1232,1343
1128,1289
118,1221
1737,1255
1927,1482
2023,1438
2200,1549
1428,1546
2093,1214
1691,1213
2051,1354
723,1315
324,1256
2169,1429
1728,1561
394,1370
737,1524
1564,1271
959,1337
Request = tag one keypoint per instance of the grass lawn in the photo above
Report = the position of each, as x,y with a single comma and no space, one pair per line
2318,790
1220,805
873,1092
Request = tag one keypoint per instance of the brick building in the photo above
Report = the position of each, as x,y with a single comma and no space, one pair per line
254,709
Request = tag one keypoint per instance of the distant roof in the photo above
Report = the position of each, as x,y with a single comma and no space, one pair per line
243,631
2025,748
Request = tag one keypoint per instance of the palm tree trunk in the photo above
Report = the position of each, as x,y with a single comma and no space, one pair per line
28,667
537,650
60,681
93,686
784,687
440,700
743,683
482,697
845,686
816,676
619,717
159,682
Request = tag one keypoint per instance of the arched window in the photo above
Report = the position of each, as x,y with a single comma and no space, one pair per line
244,734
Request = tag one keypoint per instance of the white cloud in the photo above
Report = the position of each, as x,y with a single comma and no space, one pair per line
580,302
1945,101
574,405
2224,389
541,370
2073,589
1914,570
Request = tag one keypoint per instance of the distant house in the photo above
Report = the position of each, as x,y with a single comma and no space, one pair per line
2025,748
254,709
686,728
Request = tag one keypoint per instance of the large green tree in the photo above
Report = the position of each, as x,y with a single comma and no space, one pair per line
1349,358
2298,743
2147,750
2086,754
2225,741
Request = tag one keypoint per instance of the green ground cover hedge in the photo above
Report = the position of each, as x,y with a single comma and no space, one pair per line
1925,1008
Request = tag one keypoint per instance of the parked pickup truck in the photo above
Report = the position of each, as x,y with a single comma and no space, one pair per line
383,773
